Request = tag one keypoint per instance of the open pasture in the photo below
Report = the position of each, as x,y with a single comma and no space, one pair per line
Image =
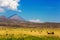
29,33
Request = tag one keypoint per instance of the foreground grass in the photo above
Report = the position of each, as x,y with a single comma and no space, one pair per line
29,33
33,38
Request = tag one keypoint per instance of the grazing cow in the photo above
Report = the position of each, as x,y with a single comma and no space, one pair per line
50,32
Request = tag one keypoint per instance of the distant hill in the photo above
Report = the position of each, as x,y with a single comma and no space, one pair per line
17,21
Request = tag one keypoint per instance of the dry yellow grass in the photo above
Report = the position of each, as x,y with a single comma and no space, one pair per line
29,31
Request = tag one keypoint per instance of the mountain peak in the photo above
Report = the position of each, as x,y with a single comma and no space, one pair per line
16,17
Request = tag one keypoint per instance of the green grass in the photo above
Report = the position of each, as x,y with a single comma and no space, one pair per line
32,38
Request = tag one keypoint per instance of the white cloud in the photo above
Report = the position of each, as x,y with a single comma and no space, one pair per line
2,10
10,4
36,21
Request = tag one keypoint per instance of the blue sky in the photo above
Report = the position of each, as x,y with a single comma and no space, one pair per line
44,10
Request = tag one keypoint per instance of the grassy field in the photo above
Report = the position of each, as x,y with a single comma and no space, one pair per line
32,38
29,33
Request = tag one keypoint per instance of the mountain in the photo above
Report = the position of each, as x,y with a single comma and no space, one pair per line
3,19
17,21
16,17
